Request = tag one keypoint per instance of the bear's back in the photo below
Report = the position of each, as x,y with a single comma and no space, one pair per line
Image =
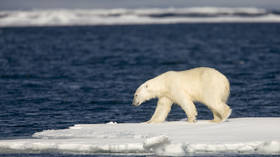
199,81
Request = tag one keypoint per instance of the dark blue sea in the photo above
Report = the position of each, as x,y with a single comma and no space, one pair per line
55,77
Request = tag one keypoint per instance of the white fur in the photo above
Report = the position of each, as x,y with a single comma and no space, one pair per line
205,85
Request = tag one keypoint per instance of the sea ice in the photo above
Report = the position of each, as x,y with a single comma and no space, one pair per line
68,17
238,135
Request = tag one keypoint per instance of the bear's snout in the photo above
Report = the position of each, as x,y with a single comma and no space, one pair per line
135,101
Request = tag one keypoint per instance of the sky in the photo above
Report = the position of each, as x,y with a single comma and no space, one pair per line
107,4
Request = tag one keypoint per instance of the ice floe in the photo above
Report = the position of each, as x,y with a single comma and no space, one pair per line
237,135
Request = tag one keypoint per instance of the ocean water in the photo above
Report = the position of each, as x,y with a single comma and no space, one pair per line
55,77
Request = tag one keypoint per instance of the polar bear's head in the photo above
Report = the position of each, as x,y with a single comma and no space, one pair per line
148,90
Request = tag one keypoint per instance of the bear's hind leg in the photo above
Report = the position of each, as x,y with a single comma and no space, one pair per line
220,112
216,117
226,113
163,108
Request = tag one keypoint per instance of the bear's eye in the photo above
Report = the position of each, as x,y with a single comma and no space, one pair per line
146,86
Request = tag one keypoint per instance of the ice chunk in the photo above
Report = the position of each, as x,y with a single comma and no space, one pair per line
112,123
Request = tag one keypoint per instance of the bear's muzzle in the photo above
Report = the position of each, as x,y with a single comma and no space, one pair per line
135,101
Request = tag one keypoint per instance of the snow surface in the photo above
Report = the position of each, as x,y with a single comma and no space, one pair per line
238,135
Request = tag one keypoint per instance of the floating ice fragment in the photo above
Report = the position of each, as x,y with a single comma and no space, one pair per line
112,123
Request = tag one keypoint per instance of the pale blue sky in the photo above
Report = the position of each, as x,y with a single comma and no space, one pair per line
89,4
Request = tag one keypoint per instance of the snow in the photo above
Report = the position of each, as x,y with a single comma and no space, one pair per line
238,135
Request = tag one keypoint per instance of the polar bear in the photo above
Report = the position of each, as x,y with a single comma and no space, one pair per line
204,85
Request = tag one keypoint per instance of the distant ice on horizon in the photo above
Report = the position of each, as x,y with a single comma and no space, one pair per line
123,16
237,136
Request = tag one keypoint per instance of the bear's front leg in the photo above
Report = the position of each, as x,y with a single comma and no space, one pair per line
190,111
188,106
163,108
